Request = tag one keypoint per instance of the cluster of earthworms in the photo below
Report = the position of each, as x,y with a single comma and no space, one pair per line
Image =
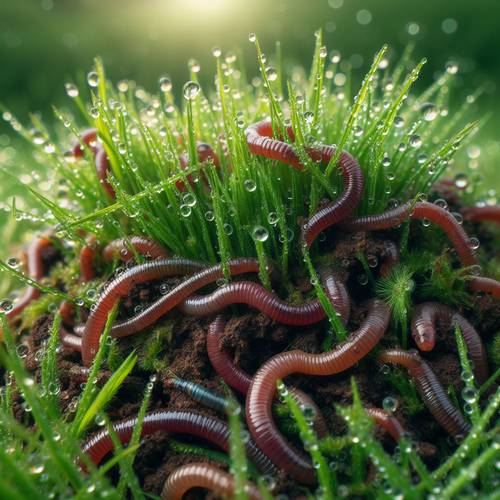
268,448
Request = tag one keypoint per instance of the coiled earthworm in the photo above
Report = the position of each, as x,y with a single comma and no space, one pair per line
479,214
87,137
240,380
255,295
423,329
263,387
122,249
209,428
200,394
202,475
420,211
387,422
36,271
120,287
430,389
205,153
485,285
260,142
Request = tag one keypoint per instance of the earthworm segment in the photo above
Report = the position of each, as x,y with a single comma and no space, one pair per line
485,285
124,249
386,421
205,154
423,329
480,214
200,475
431,391
263,387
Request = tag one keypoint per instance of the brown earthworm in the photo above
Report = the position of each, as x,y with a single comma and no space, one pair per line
255,295
87,257
205,153
261,142
430,389
120,287
202,475
122,249
387,422
263,387
71,341
66,311
479,214
36,271
212,429
423,329
240,380
485,285
420,211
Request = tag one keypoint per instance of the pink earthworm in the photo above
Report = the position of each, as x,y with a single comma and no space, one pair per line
255,295
203,475
157,269
423,329
122,249
240,380
212,429
479,214
420,211
430,389
485,285
263,387
120,287
205,153
260,142
36,271
386,421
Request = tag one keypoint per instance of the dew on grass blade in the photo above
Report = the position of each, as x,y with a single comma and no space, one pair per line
191,90
260,233
93,79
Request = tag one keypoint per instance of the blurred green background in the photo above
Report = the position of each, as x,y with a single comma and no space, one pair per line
45,43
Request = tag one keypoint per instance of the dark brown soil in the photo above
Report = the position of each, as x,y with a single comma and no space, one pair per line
253,338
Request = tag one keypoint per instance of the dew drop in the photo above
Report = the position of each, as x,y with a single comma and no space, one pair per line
461,181
189,200
451,67
357,131
93,79
209,216
399,121
429,111
252,37
71,90
250,185
390,404
165,84
473,243
100,420
260,233
272,74
216,51
191,90
185,210
415,141
309,117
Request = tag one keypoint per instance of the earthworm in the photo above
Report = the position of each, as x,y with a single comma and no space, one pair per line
260,142
122,249
478,214
120,287
423,329
200,394
71,341
203,475
240,380
66,311
263,387
212,429
485,285
387,422
255,295
102,168
36,271
88,137
87,256
420,211
205,153
430,389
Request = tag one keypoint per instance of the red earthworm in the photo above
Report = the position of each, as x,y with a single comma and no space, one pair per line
255,295
88,137
87,257
263,387
121,248
240,380
102,168
387,422
421,211
66,311
36,271
156,269
212,429
71,341
203,475
120,287
179,294
423,329
430,389
260,142
478,214
205,153
485,285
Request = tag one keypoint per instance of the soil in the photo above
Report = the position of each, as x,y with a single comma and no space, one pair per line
250,332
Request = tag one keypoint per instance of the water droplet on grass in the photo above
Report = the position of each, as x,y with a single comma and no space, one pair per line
93,79
415,141
71,90
451,67
191,90
390,404
252,37
461,181
165,84
429,111
250,185
260,233
272,74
